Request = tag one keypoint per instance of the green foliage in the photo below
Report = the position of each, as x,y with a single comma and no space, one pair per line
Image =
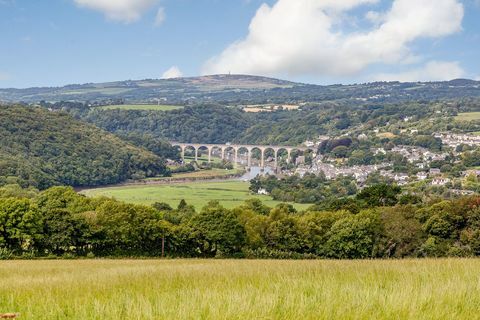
354,236
62,223
307,189
219,228
380,195
41,149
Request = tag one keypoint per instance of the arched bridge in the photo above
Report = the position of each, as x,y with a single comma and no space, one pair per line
236,148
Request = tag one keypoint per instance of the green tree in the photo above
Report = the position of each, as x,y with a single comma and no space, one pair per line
220,230
380,195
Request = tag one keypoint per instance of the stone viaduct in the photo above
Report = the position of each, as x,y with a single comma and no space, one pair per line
236,148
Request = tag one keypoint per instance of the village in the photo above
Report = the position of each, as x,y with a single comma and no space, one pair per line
419,158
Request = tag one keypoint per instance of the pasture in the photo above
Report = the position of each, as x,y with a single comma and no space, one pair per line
201,174
468,116
229,193
148,107
240,289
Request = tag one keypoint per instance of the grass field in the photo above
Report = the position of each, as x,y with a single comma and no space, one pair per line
230,194
468,116
153,107
213,173
241,289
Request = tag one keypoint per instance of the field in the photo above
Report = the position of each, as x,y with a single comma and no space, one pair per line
153,107
230,194
241,289
468,116
201,174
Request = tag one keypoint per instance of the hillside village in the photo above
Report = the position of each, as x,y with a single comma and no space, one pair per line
426,165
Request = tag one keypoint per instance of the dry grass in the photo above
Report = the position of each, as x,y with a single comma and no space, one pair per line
217,289
468,116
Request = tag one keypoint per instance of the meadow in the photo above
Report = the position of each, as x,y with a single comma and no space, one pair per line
229,193
149,107
241,289
468,116
214,173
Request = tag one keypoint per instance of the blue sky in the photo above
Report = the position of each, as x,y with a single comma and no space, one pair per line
58,42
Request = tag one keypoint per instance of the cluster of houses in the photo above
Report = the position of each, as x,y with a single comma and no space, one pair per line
331,172
361,173
454,140
422,156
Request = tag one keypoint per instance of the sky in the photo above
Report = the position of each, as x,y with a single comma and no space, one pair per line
59,42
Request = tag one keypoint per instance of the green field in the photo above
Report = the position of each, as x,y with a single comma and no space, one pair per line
153,107
201,174
230,194
241,289
468,116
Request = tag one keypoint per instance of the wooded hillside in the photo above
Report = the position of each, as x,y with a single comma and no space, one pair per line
42,148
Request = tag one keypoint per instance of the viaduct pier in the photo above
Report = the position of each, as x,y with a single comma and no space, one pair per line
237,149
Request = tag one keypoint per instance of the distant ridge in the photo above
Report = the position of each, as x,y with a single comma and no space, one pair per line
225,88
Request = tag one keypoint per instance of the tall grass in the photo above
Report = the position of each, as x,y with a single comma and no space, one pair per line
218,289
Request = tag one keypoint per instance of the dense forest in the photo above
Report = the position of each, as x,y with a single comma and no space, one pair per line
191,124
41,148
61,223
220,124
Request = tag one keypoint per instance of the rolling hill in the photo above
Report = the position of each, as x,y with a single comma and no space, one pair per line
241,89
42,148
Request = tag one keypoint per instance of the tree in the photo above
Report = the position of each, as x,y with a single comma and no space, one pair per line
220,229
20,224
354,237
380,195
340,151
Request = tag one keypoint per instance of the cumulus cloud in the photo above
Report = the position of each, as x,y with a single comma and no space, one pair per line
431,71
305,37
119,10
173,72
160,17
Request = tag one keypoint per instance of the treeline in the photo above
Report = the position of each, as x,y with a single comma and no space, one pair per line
307,189
41,148
220,124
202,124
61,223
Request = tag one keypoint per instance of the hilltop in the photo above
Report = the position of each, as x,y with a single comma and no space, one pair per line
171,90
242,89
41,148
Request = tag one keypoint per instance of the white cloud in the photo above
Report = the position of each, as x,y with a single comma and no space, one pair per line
119,10
160,17
305,37
173,72
431,71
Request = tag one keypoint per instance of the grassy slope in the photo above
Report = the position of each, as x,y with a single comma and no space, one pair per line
142,107
229,193
468,116
217,289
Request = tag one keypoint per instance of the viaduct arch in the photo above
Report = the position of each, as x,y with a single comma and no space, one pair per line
236,149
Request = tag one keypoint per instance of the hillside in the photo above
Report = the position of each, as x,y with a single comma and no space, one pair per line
242,89
176,90
41,148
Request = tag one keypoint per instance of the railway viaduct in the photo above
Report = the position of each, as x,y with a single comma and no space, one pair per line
237,148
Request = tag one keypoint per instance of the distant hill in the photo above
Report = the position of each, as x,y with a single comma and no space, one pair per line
242,89
41,148
169,90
